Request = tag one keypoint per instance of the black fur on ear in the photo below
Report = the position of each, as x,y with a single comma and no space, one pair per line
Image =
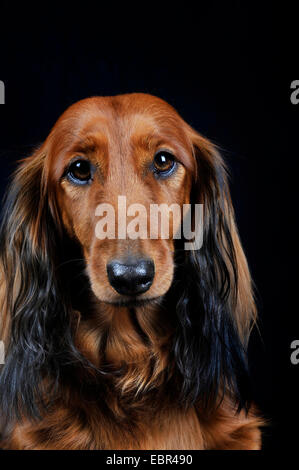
212,294
37,324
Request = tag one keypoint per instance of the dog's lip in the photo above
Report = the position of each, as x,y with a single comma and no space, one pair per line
131,302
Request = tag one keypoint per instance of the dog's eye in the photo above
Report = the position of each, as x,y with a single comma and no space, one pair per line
80,171
164,163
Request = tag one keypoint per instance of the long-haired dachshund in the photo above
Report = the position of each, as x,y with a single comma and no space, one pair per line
123,343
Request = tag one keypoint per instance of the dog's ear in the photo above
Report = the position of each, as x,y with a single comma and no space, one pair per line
221,235
218,298
34,321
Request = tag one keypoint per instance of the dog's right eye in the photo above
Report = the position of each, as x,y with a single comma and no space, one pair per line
79,172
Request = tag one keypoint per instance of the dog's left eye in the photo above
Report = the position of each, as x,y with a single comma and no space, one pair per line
164,163
80,171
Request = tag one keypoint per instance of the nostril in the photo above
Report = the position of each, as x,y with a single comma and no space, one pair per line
145,271
131,277
117,269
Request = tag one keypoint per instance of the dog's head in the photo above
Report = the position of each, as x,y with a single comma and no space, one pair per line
111,157
106,160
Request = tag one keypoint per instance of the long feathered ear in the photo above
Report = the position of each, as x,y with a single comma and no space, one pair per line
217,307
35,324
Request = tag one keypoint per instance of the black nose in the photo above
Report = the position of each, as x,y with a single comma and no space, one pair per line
131,277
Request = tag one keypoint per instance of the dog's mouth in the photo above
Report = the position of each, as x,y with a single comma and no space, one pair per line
133,302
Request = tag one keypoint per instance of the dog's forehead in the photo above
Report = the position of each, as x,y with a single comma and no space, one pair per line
119,124
129,115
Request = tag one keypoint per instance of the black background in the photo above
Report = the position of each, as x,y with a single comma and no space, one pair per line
227,68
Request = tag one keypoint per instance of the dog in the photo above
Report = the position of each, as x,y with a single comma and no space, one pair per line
123,343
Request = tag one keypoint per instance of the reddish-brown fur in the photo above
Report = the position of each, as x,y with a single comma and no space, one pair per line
120,135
